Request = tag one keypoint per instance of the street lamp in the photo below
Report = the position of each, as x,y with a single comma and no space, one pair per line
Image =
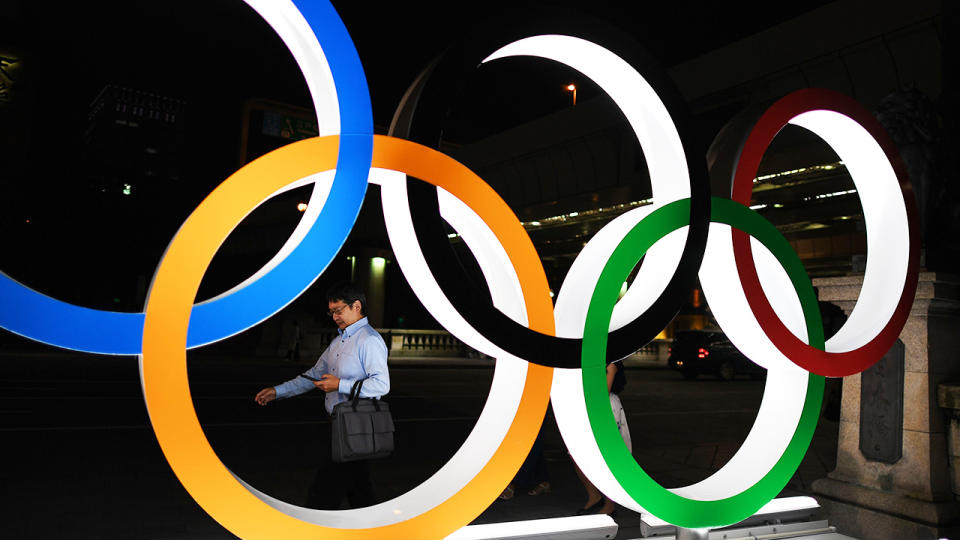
302,206
572,88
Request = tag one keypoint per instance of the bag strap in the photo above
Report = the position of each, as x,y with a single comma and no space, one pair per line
355,396
355,391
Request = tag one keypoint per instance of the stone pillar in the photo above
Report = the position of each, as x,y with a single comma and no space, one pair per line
903,490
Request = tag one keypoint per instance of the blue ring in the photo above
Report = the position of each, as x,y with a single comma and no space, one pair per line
39,317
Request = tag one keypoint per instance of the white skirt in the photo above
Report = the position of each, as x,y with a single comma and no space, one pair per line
621,417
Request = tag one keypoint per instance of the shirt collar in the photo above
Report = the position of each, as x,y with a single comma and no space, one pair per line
352,329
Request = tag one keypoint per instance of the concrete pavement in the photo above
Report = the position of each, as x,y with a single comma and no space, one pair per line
81,461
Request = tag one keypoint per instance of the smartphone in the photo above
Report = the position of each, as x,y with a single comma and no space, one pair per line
309,378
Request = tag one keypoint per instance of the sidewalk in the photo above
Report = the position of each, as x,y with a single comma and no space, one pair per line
81,460
671,465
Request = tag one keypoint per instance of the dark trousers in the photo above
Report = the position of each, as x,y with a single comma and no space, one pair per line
534,468
336,480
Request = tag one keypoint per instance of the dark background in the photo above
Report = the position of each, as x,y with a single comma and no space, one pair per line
63,238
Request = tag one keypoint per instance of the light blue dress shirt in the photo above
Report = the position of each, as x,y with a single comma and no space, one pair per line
358,353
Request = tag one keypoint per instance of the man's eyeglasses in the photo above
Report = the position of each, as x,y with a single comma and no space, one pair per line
337,311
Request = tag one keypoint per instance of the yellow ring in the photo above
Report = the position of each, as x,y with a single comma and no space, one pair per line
163,364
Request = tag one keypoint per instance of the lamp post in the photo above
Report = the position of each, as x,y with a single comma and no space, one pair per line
572,88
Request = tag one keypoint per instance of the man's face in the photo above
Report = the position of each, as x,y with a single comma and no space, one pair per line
344,314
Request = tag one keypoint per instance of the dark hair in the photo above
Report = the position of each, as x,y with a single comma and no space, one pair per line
349,293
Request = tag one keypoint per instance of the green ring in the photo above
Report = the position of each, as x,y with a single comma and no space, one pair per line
662,503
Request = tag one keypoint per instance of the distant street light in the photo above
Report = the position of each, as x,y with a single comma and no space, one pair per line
572,88
302,207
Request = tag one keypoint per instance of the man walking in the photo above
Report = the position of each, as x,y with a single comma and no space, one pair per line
358,353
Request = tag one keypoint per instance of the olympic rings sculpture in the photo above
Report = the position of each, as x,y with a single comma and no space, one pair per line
745,267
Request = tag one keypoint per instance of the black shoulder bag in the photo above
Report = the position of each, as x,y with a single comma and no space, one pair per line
362,428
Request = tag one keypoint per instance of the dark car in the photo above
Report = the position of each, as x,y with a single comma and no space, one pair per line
701,351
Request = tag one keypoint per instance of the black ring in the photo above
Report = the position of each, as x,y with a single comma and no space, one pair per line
420,117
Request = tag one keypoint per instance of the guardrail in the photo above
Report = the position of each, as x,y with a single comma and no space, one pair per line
411,343
405,343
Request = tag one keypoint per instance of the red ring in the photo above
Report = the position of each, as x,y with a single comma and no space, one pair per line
748,162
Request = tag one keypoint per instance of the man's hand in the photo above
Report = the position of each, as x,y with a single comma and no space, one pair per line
328,383
266,396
